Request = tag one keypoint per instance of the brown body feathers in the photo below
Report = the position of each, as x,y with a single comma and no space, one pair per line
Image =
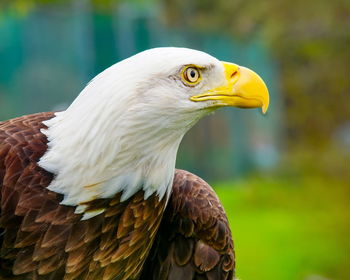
133,239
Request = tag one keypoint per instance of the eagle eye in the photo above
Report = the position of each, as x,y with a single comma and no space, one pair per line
191,75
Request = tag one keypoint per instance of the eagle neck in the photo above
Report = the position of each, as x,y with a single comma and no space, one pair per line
91,161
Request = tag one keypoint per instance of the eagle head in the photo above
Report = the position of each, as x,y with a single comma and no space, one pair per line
123,131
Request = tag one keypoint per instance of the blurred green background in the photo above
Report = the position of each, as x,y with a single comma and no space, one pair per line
284,178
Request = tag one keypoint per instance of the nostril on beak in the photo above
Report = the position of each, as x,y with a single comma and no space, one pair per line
234,74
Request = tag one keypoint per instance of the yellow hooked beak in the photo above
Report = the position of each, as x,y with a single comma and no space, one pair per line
243,89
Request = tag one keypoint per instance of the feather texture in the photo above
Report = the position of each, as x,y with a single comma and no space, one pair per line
42,239
194,240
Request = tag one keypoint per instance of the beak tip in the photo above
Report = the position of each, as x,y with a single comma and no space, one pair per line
264,109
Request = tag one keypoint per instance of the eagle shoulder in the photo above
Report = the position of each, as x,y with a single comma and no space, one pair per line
194,239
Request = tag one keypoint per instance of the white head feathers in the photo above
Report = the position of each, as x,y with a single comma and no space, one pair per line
123,131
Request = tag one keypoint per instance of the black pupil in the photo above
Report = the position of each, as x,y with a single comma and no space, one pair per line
193,74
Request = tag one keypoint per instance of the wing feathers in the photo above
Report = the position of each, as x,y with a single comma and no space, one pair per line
194,240
23,264
205,257
183,250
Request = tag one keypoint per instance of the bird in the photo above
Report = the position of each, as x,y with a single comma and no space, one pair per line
92,192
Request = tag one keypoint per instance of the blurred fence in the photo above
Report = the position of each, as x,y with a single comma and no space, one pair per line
48,54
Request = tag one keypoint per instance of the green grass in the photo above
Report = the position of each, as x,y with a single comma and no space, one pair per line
289,229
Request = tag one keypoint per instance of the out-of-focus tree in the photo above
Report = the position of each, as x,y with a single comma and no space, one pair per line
311,43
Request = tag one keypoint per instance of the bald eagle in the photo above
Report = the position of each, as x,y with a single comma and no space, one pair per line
92,192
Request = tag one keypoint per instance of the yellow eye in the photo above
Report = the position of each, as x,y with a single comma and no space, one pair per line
191,75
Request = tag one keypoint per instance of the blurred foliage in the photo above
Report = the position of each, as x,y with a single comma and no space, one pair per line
309,39
23,7
288,227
